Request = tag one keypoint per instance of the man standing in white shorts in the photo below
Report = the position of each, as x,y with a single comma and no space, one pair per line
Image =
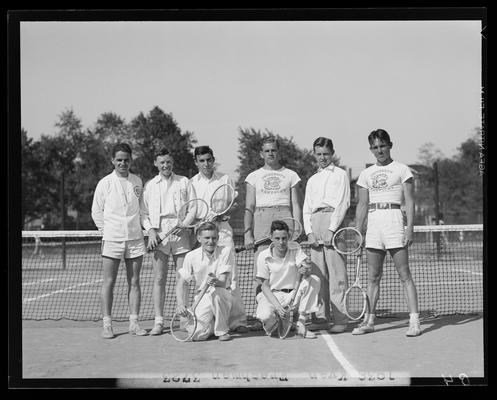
212,265
116,213
382,189
278,270
163,196
205,183
327,199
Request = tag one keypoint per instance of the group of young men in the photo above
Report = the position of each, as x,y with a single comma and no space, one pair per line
122,208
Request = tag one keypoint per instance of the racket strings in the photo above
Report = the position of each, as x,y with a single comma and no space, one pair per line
192,211
222,199
355,303
347,240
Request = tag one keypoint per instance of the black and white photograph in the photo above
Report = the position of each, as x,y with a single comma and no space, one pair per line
263,198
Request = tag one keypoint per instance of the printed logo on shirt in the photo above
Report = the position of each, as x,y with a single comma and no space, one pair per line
379,181
183,193
272,183
137,190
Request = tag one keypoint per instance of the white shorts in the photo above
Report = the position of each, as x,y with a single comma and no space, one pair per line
385,229
123,249
173,244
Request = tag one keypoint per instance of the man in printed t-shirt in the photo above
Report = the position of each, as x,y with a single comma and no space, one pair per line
382,189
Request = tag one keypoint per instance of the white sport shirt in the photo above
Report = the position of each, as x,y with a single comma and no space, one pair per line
163,198
384,182
116,207
198,264
329,187
204,187
280,273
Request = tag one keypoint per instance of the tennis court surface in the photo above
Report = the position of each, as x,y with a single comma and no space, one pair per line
61,279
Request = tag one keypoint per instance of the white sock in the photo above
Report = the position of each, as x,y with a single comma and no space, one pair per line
107,320
133,319
159,320
371,319
414,317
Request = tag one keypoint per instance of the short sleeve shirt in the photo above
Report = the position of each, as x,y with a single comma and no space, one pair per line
272,187
198,264
281,273
384,182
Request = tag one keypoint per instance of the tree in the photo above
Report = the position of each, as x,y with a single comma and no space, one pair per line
34,197
460,183
154,131
428,154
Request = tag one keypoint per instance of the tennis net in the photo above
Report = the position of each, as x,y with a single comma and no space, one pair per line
62,276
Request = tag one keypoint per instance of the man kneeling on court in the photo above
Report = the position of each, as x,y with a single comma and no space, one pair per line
278,270
217,313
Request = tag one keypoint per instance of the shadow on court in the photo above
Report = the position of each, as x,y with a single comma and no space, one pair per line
428,324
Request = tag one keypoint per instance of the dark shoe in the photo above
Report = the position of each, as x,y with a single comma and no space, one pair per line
337,328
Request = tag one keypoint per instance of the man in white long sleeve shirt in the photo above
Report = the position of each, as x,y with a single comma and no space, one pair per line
163,196
327,198
116,213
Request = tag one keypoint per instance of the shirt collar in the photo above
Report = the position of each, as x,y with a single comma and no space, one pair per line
204,255
271,247
158,178
330,167
201,177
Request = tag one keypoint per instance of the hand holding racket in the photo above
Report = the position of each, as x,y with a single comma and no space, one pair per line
185,218
184,322
285,323
346,240
294,230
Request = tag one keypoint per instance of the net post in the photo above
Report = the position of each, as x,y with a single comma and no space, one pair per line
437,208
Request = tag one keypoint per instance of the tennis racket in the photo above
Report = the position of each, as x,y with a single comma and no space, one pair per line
186,218
221,201
294,230
182,326
356,299
285,323
346,240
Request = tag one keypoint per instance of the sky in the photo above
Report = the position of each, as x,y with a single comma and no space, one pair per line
419,80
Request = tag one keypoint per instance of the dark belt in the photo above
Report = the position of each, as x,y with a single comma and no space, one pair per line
383,206
283,290
324,209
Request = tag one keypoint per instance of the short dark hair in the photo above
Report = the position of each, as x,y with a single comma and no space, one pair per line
124,147
163,151
270,139
201,150
379,134
323,142
278,225
207,226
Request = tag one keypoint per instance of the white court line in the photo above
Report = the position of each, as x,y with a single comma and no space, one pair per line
60,291
347,366
38,282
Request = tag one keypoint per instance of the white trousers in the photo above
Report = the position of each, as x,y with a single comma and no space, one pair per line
307,299
217,313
